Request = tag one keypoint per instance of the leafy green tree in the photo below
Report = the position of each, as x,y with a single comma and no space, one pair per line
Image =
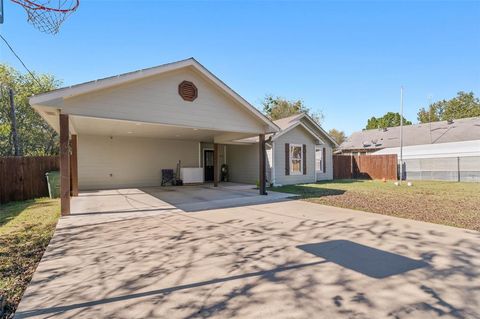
462,106
277,108
390,119
35,136
337,135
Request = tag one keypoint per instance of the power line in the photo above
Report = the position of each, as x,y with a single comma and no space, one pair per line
19,59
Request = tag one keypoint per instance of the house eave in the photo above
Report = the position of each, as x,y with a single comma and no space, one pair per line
56,97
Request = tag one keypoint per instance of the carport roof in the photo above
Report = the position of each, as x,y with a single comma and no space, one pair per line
52,97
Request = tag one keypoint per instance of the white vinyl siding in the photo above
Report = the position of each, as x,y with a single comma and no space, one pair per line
156,100
328,175
298,136
105,162
243,161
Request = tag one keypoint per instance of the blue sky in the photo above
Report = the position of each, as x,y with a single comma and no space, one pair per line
347,59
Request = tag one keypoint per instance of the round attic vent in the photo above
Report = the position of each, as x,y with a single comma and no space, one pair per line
188,91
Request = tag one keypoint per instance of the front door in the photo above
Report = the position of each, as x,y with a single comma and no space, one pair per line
208,165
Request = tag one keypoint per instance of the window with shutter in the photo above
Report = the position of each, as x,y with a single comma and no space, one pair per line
304,159
287,159
318,159
296,159
324,157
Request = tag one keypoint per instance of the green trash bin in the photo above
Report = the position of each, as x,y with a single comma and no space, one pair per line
53,182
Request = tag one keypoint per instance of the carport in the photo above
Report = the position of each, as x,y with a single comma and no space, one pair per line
121,131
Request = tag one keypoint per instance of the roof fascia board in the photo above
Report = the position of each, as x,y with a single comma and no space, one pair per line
321,130
106,82
237,96
136,75
276,136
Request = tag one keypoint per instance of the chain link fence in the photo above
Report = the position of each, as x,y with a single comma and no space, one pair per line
460,169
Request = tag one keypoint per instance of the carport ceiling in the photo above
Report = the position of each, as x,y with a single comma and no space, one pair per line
108,127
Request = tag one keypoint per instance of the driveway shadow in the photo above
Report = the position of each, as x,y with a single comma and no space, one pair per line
366,260
238,262
308,191
197,198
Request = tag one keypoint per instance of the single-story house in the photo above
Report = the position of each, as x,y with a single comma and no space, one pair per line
301,152
121,131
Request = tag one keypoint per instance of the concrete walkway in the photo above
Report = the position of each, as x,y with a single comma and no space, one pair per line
128,254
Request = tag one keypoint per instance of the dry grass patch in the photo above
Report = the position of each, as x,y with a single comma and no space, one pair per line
448,203
25,231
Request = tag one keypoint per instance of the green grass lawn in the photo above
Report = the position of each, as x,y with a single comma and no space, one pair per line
448,203
25,230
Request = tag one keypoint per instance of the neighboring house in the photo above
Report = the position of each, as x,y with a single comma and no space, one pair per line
123,130
445,150
437,139
301,152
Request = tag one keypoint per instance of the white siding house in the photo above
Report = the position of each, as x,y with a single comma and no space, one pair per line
298,134
301,134
130,127
285,172
126,129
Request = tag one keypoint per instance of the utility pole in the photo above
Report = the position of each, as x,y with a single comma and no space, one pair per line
401,134
14,122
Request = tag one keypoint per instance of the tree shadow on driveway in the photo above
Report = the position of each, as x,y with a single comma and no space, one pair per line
245,262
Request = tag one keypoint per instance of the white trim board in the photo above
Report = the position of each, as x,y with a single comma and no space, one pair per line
276,136
291,158
47,99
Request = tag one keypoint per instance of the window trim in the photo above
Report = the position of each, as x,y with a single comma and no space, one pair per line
292,172
319,169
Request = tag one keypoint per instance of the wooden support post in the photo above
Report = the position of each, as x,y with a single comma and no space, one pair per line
262,163
74,166
64,166
215,164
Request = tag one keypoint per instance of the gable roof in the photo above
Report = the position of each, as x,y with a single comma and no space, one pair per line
288,123
466,129
53,96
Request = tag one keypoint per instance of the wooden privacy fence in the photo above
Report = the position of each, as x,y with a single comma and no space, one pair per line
365,166
23,177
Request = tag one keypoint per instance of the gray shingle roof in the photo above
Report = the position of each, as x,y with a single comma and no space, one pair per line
283,124
429,133
286,122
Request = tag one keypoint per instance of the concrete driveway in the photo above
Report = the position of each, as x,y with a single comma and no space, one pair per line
129,254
